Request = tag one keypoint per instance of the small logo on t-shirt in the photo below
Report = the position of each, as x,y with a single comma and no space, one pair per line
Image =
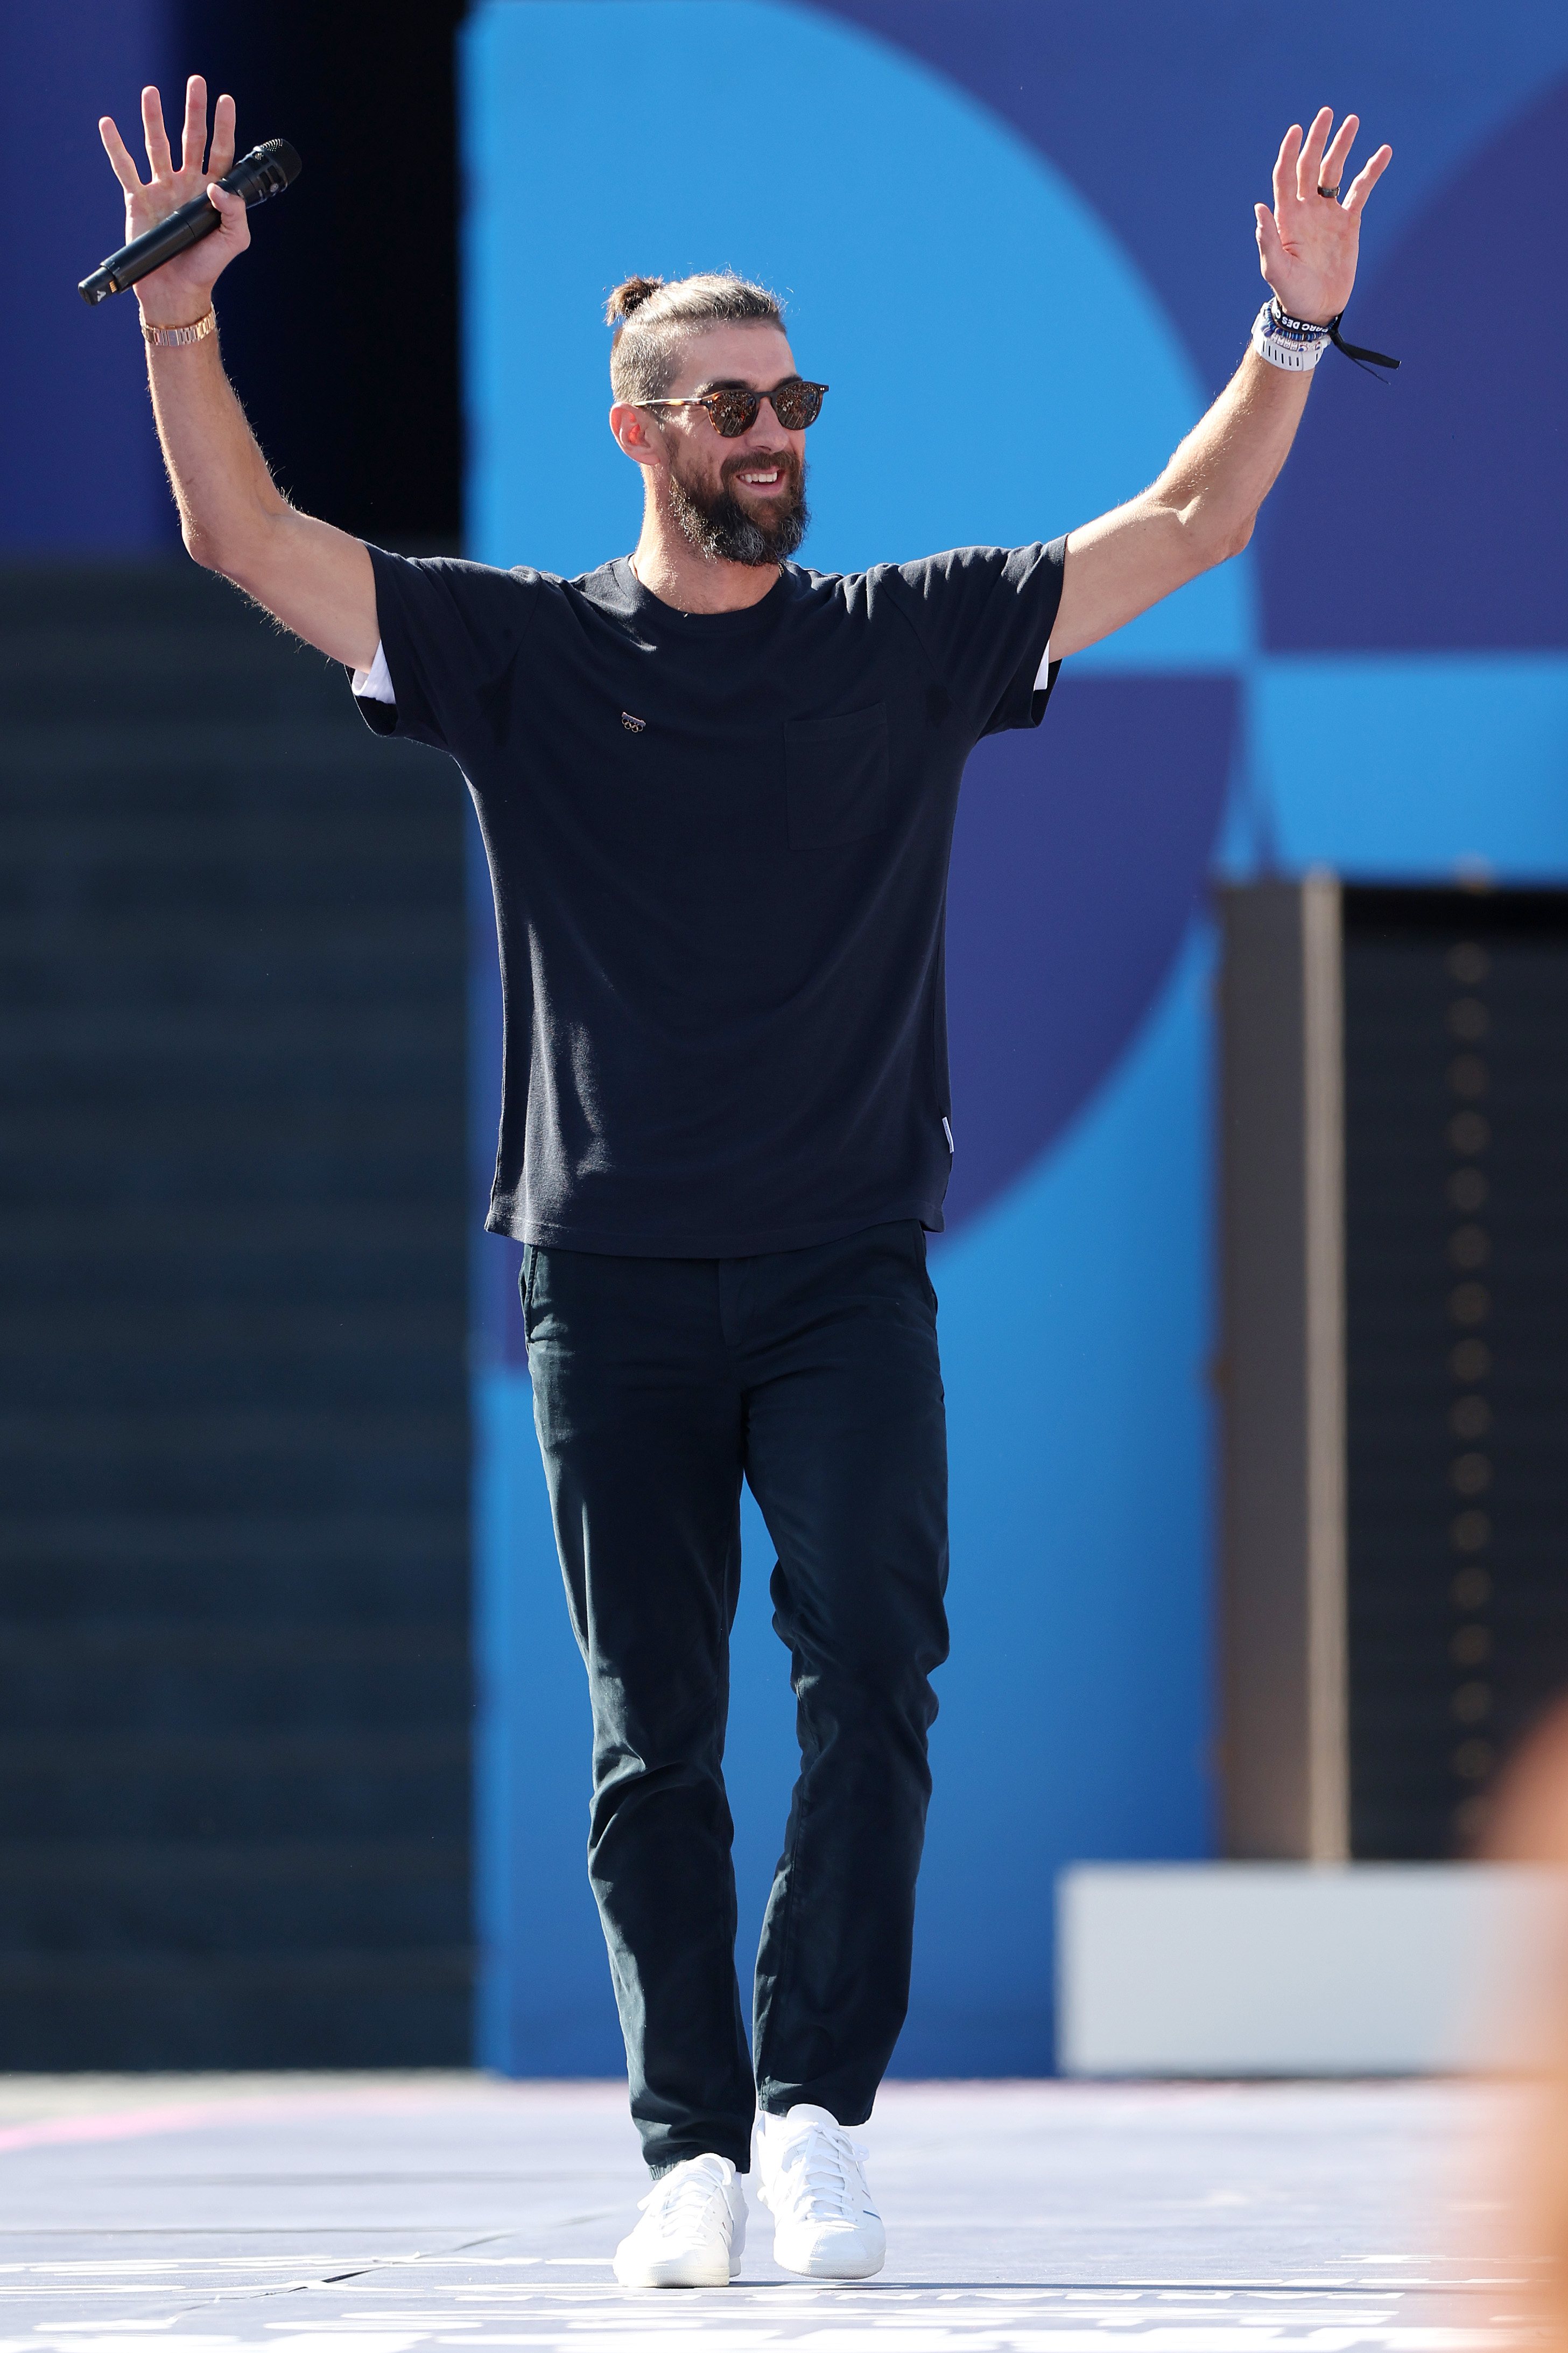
633,726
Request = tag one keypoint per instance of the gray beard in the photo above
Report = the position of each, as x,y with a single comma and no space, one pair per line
718,529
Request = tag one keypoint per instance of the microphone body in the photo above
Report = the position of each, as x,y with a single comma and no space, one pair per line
266,172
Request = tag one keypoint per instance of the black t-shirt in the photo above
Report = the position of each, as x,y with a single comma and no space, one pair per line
718,845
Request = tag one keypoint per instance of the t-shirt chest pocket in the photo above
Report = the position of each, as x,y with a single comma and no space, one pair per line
835,777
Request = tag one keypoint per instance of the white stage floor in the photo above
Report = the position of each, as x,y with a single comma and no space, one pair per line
396,2213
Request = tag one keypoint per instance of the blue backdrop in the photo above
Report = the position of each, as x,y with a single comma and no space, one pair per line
1045,213
79,471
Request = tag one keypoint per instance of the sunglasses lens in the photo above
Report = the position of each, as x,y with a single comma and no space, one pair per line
734,413
797,405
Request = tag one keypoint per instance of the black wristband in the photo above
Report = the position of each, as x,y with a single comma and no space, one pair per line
1309,330
1365,360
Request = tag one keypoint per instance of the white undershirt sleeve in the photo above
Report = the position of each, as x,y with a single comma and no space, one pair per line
1042,676
374,684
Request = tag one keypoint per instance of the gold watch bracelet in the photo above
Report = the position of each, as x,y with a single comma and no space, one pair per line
164,338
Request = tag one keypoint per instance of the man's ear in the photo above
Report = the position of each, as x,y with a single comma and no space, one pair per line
633,434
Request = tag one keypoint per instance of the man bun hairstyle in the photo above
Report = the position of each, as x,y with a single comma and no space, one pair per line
627,295
653,317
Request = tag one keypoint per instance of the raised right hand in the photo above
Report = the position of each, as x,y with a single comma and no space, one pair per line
180,292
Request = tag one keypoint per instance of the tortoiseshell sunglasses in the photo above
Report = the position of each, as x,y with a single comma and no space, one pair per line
733,409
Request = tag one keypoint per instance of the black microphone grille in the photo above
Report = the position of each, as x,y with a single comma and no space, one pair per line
265,172
281,157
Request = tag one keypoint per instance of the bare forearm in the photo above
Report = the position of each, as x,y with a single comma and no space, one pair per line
1229,462
1200,511
235,520
225,496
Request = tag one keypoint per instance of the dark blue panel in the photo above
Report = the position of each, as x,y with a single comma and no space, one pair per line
79,461
1432,511
1077,864
1169,119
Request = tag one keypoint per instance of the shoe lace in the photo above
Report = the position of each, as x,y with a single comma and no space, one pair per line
682,2195
819,2173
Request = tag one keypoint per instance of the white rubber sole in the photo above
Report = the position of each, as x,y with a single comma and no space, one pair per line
678,2271
835,2254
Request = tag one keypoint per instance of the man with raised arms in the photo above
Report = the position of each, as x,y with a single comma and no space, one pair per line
717,791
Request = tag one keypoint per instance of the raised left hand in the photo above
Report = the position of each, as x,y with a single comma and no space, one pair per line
1307,246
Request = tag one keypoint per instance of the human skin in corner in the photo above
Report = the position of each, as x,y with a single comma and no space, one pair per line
317,580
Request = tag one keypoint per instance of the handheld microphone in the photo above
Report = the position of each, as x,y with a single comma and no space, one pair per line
266,172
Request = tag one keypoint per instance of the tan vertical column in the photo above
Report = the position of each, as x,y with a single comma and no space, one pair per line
1285,1775
1323,1060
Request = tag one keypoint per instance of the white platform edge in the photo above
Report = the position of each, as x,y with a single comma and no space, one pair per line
1239,1968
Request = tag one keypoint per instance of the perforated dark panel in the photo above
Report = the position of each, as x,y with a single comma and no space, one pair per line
233,1653
1457,1267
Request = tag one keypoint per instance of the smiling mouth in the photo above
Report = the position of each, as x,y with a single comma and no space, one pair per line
764,474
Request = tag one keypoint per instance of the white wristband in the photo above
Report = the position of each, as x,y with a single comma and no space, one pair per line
1284,348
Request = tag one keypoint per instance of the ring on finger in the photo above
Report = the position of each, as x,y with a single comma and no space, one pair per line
1332,193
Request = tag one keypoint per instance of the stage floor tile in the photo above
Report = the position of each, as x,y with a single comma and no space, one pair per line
390,2212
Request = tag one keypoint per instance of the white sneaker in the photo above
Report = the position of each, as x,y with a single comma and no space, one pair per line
692,2231
813,2183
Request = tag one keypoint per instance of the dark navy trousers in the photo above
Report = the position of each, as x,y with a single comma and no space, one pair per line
658,1384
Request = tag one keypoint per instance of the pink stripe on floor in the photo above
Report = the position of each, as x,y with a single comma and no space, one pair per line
132,2124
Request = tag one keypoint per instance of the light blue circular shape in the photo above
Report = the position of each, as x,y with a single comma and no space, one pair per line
999,369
